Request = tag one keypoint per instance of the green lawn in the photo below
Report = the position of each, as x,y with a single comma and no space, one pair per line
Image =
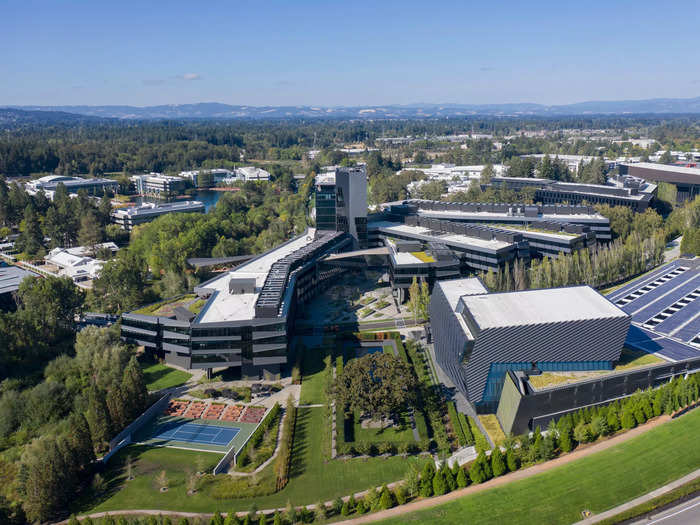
158,376
377,435
597,482
311,477
313,383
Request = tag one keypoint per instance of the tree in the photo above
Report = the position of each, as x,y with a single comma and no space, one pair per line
44,482
439,483
379,385
386,499
98,419
498,465
134,389
486,174
511,460
412,480
90,233
31,238
476,472
582,432
628,420
462,480
414,298
162,481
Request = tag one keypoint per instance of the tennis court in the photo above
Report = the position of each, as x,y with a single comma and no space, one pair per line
196,433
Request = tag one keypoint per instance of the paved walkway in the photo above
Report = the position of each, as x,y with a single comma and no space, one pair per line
641,499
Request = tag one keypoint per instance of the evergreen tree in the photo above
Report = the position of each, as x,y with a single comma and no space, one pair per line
98,420
627,420
498,465
31,237
439,484
476,472
511,460
462,480
134,388
386,500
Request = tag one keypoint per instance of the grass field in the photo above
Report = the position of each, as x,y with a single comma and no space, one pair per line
158,376
377,435
313,383
311,477
597,482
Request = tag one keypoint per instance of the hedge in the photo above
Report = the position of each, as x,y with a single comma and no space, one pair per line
285,452
456,425
421,424
480,441
258,434
465,428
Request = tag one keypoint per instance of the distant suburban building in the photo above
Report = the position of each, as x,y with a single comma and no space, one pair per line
128,218
248,312
93,186
572,161
686,179
76,264
636,194
341,203
158,184
480,336
222,175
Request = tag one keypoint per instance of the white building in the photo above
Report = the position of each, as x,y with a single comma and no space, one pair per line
222,175
76,264
157,184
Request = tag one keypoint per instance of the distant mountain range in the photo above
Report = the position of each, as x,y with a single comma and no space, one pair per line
214,110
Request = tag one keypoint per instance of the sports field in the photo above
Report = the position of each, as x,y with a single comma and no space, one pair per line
205,435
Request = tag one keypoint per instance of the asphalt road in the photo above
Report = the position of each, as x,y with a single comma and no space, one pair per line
686,513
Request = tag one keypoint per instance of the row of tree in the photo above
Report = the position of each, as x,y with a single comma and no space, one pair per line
56,427
604,264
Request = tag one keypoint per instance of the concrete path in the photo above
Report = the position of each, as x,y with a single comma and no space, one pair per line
686,513
673,249
643,499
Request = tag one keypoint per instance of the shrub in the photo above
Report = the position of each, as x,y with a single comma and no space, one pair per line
511,460
255,439
400,495
628,420
456,425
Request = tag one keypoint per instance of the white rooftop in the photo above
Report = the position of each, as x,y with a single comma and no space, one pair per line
496,215
226,307
426,234
552,305
457,288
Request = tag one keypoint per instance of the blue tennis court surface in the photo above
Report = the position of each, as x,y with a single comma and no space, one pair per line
196,433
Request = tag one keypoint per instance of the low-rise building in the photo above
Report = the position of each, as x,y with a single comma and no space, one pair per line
158,184
10,279
76,263
93,186
686,179
128,218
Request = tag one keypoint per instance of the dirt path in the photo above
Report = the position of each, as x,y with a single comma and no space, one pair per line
579,453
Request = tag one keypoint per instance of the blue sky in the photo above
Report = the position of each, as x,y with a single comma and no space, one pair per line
346,53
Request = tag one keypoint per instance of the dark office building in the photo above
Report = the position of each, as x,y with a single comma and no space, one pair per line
341,203
479,336
248,311
686,179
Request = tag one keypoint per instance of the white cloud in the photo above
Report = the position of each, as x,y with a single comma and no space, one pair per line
191,76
